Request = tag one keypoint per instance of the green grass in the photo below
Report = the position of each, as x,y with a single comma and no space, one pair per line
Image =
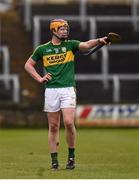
100,154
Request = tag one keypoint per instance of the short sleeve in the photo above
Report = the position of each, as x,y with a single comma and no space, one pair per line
75,45
37,54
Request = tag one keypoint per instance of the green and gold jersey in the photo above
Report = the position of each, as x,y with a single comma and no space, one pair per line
59,61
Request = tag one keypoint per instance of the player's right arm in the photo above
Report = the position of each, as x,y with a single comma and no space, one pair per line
30,68
87,45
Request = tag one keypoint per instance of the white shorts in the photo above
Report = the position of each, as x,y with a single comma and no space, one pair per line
58,98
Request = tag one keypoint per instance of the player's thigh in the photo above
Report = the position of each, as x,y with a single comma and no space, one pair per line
54,118
68,115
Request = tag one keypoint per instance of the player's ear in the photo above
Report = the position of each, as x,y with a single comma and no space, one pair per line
52,31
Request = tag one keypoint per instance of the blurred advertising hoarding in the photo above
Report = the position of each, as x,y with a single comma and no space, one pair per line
108,115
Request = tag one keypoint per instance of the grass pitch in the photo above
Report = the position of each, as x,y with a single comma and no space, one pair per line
100,154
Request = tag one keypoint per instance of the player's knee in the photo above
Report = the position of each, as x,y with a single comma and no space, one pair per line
53,128
69,125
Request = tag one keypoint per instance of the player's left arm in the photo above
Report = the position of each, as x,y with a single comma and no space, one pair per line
87,45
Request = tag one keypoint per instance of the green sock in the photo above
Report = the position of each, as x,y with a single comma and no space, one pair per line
71,153
54,157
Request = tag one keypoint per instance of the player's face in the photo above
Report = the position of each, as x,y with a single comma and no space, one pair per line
63,32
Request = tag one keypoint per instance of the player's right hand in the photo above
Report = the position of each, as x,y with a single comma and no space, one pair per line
103,40
46,78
